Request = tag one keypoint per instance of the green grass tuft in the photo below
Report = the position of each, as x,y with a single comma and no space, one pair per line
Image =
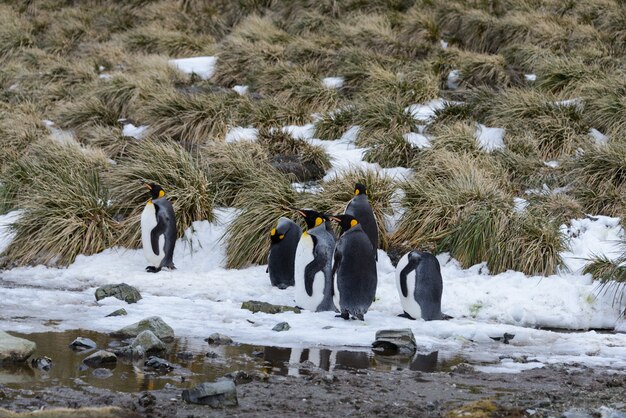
332,125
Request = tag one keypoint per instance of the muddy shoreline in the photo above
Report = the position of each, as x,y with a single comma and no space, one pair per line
550,391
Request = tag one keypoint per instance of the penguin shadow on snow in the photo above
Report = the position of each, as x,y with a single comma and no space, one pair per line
158,230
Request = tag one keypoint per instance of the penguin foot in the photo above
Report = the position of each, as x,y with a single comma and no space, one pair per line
152,269
358,317
344,315
445,317
407,316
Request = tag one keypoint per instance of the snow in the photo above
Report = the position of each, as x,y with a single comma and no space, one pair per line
203,67
202,297
508,365
418,140
598,136
6,235
239,133
530,77
552,164
443,44
426,112
333,82
60,136
489,139
133,131
453,79
241,90
520,204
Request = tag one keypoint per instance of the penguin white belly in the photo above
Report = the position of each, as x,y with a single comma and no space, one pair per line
409,304
148,223
304,255
336,296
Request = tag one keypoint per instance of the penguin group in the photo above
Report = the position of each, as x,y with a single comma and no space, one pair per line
339,274
328,273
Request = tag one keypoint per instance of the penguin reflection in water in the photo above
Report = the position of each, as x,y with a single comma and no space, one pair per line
354,269
158,230
419,283
280,262
313,263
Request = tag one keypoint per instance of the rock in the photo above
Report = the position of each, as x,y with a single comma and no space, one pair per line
158,364
102,373
216,395
100,358
119,312
219,339
256,306
185,355
241,377
131,353
41,363
211,354
155,324
281,326
463,368
14,349
296,165
81,343
395,341
504,338
149,342
120,291
576,413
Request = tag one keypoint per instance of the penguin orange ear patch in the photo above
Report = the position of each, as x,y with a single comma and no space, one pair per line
161,193
318,221
353,223
356,192
273,232
281,236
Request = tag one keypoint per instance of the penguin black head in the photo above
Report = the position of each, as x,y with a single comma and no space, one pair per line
156,191
359,189
345,221
276,236
311,217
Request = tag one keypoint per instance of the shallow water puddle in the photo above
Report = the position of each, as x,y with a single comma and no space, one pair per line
192,365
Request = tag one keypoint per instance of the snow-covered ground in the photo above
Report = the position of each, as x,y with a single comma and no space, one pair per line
202,297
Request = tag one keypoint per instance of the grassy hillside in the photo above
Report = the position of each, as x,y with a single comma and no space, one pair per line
546,71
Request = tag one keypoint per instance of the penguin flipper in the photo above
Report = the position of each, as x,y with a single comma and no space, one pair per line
155,234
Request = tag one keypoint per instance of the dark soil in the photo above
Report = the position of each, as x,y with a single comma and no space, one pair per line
549,391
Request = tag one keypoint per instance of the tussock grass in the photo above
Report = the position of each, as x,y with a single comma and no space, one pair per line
300,86
332,125
65,207
383,114
611,275
318,51
420,25
390,150
107,138
338,191
289,155
605,103
455,137
86,113
190,118
236,165
270,112
408,85
153,39
183,175
15,32
474,69
565,74
20,127
264,199
599,177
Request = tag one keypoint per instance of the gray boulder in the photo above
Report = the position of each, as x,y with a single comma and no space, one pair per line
14,349
281,326
219,339
216,395
101,358
395,341
155,324
150,343
255,306
120,291
81,343
158,364
119,312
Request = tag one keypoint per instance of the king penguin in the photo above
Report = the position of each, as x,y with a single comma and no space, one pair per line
280,263
360,208
313,265
354,269
158,230
419,283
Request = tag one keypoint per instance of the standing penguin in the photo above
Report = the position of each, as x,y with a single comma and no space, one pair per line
354,269
360,208
313,265
280,263
158,230
418,278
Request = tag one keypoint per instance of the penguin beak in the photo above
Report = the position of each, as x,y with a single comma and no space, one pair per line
298,211
334,218
146,185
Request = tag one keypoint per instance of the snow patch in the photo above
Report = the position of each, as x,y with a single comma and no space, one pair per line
333,82
489,139
239,133
203,67
418,140
133,131
426,112
241,90
599,137
453,79
530,77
